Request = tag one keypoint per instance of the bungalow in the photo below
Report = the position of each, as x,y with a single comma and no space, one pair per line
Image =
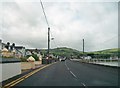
2,45
28,53
20,50
32,51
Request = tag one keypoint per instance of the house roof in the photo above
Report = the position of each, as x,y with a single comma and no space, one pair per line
33,50
19,47
4,44
5,50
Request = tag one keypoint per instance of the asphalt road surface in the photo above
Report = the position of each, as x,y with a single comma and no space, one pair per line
69,73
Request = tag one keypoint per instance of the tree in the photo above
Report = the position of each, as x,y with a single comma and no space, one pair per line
91,54
8,45
13,46
35,57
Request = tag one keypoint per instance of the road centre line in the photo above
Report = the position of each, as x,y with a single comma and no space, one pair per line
70,71
83,84
66,66
14,83
25,76
73,74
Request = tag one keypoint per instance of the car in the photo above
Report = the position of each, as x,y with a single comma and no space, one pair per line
62,59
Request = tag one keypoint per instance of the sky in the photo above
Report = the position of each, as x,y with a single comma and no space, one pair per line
96,21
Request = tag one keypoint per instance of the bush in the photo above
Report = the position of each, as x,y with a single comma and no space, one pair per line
35,57
23,59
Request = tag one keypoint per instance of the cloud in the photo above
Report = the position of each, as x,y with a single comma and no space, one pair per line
70,22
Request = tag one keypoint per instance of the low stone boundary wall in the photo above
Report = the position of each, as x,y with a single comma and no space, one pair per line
30,65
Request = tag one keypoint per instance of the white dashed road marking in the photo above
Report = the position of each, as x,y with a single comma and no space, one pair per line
83,84
74,75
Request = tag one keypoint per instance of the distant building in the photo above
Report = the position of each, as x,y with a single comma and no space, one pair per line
17,51
32,51
0,47
20,50
87,57
3,45
28,53
0,44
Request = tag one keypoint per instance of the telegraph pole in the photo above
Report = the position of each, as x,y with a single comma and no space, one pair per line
48,41
83,45
48,28
83,48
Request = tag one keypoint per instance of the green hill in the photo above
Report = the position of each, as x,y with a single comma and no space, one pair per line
68,52
107,51
63,51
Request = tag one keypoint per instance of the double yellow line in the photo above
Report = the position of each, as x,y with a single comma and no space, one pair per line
13,83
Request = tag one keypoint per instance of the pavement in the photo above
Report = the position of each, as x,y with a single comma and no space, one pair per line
74,74
113,64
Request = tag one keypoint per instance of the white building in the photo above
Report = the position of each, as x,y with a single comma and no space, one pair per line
28,53
87,57
0,44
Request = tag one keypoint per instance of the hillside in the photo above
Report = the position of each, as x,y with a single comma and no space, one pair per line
68,52
107,51
62,51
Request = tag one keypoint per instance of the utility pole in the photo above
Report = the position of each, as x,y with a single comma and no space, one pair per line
48,41
83,45
83,48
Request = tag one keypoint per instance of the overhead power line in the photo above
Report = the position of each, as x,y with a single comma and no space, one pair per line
48,28
44,13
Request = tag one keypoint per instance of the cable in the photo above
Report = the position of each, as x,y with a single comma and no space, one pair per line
106,41
44,12
102,43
